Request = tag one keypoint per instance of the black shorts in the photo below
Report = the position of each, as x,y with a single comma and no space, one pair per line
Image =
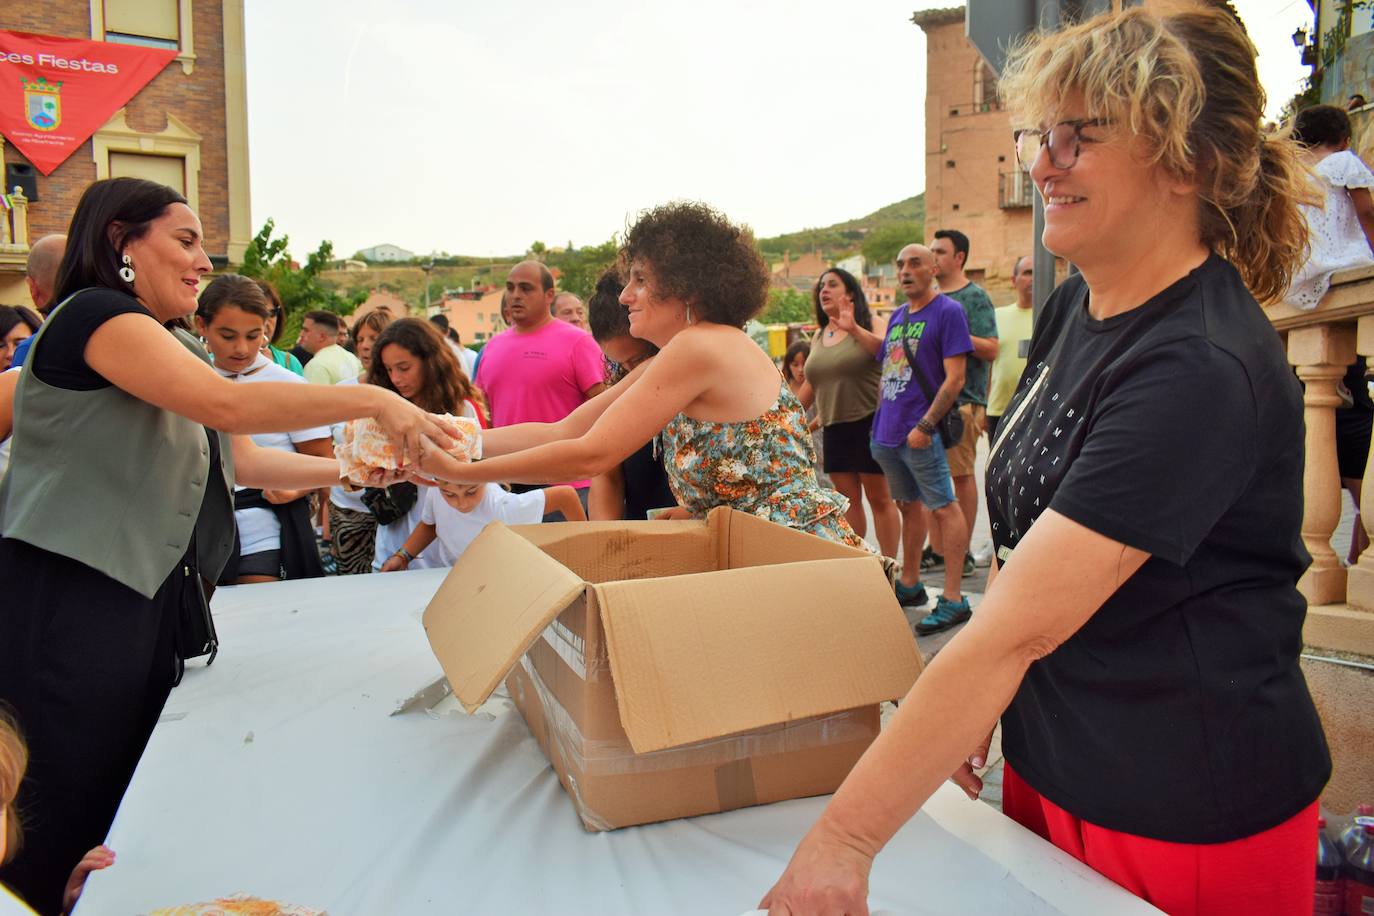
262,563
845,447
1352,442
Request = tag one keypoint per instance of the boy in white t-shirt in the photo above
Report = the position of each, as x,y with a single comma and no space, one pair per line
456,513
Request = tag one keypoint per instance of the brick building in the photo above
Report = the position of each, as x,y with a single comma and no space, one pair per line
973,182
475,316
188,127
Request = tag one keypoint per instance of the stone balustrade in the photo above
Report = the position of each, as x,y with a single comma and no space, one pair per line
1338,635
1321,343
14,224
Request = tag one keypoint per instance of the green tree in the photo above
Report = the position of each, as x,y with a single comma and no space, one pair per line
882,244
537,250
580,268
301,289
786,305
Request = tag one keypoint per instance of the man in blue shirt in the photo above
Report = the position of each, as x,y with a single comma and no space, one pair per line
45,257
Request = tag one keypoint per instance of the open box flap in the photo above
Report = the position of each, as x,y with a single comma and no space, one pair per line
491,607
700,656
610,551
744,540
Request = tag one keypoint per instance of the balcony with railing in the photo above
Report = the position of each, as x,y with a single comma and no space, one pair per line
14,229
1338,636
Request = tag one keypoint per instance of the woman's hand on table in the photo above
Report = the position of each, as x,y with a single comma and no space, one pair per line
965,777
395,563
826,877
675,513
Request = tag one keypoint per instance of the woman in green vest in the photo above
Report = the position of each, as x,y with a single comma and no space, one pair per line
125,446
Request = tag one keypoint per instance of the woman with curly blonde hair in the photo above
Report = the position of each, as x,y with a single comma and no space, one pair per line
1140,641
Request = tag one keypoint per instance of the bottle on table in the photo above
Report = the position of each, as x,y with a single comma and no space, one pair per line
1330,895
1359,877
1353,834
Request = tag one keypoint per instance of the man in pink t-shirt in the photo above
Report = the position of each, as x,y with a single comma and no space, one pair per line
542,369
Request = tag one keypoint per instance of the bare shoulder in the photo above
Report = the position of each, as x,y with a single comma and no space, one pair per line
713,344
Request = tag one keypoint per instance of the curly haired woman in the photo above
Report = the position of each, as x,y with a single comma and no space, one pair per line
731,431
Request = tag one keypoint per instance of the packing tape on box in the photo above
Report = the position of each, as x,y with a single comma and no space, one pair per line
616,757
573,649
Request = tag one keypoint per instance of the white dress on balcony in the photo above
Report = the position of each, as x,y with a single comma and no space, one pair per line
1336,241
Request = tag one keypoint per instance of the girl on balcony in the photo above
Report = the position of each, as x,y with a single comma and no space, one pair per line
1140,641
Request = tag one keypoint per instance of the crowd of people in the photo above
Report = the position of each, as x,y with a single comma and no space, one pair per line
1138,638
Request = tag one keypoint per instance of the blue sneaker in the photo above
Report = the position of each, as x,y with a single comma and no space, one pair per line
911,595
946,614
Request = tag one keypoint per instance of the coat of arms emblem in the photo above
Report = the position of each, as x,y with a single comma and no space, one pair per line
42,103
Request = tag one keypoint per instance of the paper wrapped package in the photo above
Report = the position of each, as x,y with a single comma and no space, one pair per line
367,454
238,905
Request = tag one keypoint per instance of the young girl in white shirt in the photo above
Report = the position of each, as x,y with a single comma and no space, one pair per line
232,315
453,514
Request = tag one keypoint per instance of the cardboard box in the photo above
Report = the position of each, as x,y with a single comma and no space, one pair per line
675,668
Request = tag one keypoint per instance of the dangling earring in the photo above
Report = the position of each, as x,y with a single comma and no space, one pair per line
689,314
126,273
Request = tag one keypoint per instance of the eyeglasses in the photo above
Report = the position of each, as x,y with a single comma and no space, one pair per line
1064,140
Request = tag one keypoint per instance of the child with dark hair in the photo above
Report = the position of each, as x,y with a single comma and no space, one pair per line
638,485
1340,230
17,324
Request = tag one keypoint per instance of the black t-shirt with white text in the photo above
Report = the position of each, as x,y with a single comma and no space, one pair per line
1178,712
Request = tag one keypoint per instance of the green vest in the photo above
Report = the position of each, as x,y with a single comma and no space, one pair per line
113,482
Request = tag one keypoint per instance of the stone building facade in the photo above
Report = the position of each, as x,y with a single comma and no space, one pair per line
973,182
188,127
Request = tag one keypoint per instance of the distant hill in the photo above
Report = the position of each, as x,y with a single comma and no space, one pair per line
884,230
847,237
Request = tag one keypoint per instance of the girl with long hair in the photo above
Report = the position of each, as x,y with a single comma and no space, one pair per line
412,358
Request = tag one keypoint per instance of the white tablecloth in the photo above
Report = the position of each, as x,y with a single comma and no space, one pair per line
281,772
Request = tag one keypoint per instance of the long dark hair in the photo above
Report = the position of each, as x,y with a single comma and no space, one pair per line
11,316
798,347
862,317
110,214
269,292
446,386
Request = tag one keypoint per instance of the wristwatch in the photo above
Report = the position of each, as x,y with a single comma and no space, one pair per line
404,554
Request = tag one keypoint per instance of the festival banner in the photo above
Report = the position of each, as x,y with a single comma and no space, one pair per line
56,92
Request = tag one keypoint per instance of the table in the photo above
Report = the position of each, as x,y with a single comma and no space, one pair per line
281,771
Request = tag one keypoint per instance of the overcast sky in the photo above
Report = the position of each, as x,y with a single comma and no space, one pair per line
479,127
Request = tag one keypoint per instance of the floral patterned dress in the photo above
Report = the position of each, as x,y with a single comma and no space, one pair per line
765,466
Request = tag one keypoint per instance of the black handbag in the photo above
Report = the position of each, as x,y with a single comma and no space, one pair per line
195,634
951,425
392,503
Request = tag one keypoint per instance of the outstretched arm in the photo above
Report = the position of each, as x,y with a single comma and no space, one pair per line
274,469
635,411
137,355
506,439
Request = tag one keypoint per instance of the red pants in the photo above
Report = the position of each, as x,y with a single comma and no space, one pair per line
1269,872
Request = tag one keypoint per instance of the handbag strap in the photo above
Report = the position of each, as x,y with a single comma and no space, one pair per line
915,367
